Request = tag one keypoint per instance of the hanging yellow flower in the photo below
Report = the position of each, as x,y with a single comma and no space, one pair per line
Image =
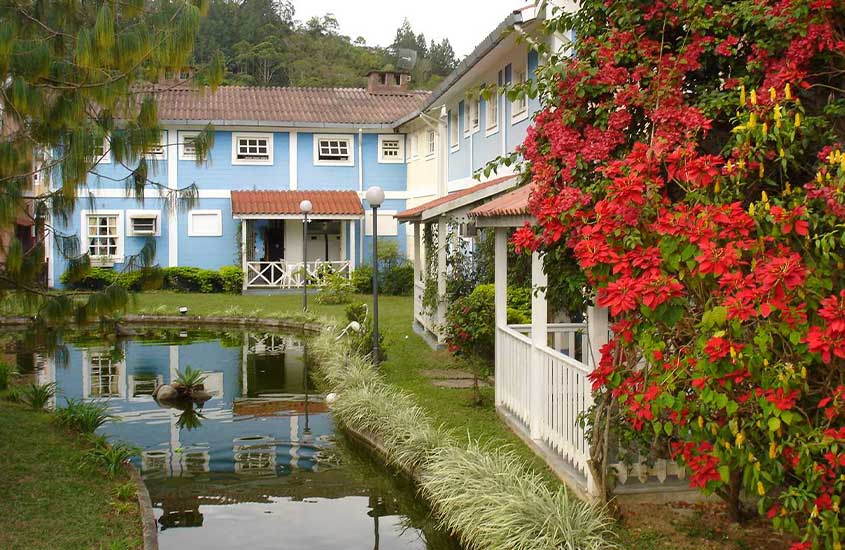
773,95
754,97
787,91
742,95
760,489
797,120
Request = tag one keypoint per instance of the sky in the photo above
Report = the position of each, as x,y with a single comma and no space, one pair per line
464,22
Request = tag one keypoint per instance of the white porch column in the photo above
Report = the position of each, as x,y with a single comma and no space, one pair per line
539,339
500,273
343,254
352,259
417,270
244,258
597,329
442,245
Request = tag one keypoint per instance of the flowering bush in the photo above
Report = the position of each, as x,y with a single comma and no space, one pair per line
690,157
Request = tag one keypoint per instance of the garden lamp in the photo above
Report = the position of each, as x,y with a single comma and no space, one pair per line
375,198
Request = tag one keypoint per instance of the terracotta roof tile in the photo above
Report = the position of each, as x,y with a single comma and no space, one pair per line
276,203
286,105
514,203
418,210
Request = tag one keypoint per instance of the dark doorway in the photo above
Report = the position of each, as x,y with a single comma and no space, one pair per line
274,241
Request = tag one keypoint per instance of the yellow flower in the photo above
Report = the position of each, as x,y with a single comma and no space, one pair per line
700,422
765,362
803,372
741,165
740,439
751,209
717,187
729,166
752,120
773,450
763,173
787,92
797,120
765,128
815,512
760,489
742,95
754,97
773,94
788,189
781,152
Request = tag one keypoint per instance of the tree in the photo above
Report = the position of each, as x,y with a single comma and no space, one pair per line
78,78
689,159
442,57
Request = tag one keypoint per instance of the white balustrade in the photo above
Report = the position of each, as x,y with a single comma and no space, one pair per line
513,362
283,274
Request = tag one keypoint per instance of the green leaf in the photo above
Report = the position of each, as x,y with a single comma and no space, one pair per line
774,424
668,427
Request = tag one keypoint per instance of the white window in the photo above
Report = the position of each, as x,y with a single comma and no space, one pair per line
105,375
143,223
333,150
454,130
187,146
473,114
492,113
252,149
159,150
519,107
432,143
388,226
205,223
391,149
413,145
102,233
101,154
467,118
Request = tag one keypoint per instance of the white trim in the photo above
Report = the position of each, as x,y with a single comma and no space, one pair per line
400,158
429,153
467,117
333,217
172,214
236,136
192,232
180,143
118,257
388,225
132,214
349,138
519,116
455,130
475,108
150,193
293,141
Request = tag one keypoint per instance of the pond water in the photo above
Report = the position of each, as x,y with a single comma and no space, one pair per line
259,466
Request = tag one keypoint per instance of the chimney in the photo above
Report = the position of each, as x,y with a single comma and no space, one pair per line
388,82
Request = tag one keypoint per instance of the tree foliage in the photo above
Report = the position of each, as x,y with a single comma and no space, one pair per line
689,157
79,79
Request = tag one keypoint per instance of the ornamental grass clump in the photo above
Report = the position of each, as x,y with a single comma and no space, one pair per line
84,417
492,500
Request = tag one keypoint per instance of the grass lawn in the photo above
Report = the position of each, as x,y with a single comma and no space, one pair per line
46,501
647,527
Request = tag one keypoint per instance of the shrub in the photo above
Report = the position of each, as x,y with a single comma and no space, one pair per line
110,457
38,395
398,280
193,279
362,279
95,278
362,341
6,373
704,203
336,289
83,416
232,279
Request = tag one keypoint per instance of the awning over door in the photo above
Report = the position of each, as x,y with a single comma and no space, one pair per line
335,205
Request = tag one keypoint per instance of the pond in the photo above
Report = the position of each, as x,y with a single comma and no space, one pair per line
260,465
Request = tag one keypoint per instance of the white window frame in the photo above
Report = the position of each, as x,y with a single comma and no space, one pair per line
183,138
400,155
491,125
237,136
388,225
106,156
350,143
195,232
467,120
134,214
414,146
454,130
519,106
103,359
162,143
103,260
431,144
475,116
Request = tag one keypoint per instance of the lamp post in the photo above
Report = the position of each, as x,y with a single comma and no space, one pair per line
375,197
305,207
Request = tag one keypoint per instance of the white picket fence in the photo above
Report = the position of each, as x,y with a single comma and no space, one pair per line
283,274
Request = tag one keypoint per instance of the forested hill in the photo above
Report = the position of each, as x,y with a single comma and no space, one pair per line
264,45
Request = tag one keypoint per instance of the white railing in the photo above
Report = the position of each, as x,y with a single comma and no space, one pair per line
570,339
283,274
430,321
513,383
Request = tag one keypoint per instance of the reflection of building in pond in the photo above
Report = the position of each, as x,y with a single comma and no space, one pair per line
104,377
255,455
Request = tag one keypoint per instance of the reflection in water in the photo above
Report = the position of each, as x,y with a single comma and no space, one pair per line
259,464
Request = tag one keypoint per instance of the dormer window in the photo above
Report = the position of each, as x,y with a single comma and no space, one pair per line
252,149
333,151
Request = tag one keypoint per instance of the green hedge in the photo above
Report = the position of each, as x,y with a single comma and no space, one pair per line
183,279
397,280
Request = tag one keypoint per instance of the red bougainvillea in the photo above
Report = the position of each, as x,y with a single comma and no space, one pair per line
690,157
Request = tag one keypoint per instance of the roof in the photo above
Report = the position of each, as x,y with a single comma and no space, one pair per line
286,203
250,105
481,50
514,203
492,186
